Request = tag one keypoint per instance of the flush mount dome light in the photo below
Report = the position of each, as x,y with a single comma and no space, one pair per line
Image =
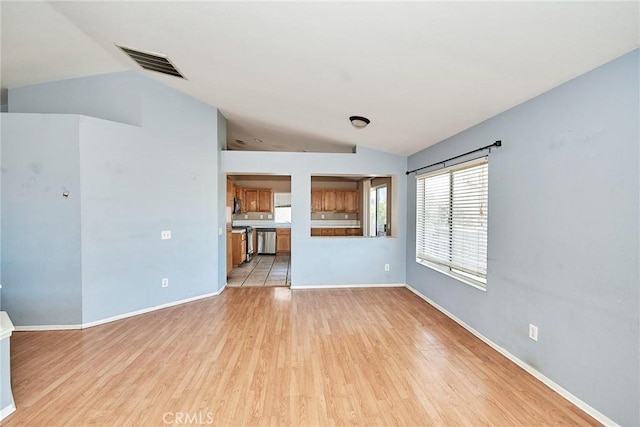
359,122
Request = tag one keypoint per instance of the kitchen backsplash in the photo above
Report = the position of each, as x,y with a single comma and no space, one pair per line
329,216
253,216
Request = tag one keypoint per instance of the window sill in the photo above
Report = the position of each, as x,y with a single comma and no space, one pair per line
459,278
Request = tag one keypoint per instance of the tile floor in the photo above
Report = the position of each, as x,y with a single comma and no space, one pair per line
262,270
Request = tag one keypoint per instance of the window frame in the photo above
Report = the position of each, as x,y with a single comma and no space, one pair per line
472,279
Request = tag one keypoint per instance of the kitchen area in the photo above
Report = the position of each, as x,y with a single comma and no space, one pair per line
258,230
259,220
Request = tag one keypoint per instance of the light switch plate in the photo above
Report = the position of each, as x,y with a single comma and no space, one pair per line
165,235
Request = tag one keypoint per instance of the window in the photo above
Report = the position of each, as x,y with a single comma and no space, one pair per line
451,221
282,207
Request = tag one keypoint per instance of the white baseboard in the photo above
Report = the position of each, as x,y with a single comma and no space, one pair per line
378,285
118,317
600,417
29,328
6,411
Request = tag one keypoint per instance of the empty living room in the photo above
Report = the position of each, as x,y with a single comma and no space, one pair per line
319,213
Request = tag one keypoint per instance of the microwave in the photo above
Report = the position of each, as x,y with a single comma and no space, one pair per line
237,205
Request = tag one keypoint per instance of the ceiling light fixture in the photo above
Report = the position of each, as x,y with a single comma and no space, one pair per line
359,122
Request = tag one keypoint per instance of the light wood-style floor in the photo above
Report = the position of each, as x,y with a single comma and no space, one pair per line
272,356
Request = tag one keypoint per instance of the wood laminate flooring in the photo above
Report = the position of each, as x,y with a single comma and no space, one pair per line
272,356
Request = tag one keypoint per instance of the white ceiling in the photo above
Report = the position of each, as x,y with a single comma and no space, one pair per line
291,73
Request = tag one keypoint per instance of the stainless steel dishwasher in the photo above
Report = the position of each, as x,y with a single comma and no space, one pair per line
267,241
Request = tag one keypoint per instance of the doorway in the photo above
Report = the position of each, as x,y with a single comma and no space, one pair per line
378,224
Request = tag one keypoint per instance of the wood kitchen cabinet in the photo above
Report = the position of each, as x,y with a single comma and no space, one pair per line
239,248
265,201
354,232
351,201
258,200
340,201
328,200
283,241
231,193
316,200
250,202
339,231
229,252
336,232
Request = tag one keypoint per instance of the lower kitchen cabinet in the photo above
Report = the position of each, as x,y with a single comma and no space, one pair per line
354,232
229,252
283,241
239,248
336,232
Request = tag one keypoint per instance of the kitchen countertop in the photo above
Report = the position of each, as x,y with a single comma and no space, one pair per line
314,224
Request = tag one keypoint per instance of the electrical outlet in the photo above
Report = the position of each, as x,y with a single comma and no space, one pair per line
322,216
165,235
165,282
269,216
246,217
219,231
261,216
533,332
386,267
346,217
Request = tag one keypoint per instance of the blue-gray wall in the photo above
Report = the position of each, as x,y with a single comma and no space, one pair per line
563,236
40,228
131,183
324,261
112,96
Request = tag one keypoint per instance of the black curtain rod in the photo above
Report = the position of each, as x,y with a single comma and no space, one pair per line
488,147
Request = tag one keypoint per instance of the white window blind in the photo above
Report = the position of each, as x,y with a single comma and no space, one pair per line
282,200
451,220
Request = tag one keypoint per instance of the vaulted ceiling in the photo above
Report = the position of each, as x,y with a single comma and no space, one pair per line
287,75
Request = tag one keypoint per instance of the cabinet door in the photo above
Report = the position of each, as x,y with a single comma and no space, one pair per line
351,201
229,252
340,200
316,232
327,232
316,200
231,193
250,202
283,241
339,231
353,232
243,249
265,201
328,200
237,249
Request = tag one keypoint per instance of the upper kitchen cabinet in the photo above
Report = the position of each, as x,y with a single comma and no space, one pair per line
316,200
258,200
265,201
334,200
351,201
329,200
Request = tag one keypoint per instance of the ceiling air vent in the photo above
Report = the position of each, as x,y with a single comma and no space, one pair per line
152,61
